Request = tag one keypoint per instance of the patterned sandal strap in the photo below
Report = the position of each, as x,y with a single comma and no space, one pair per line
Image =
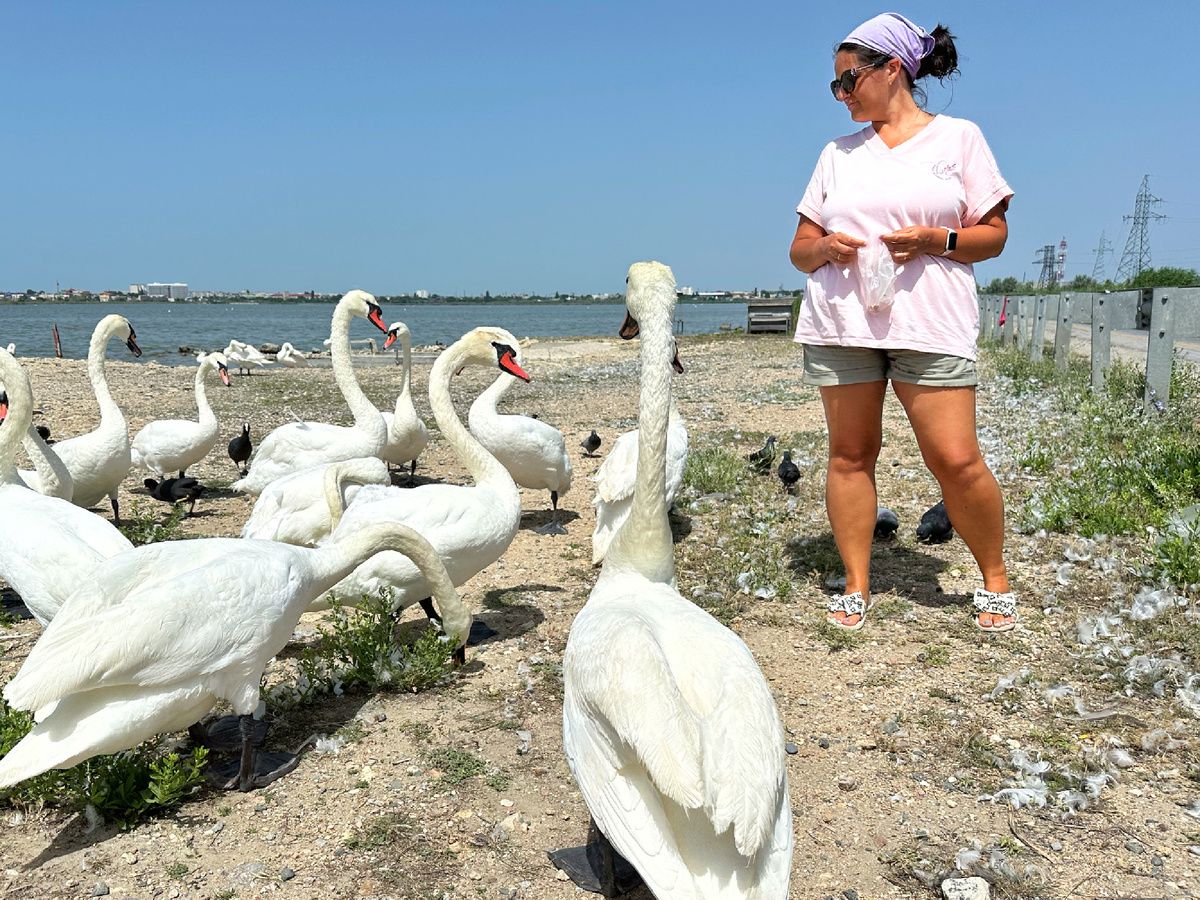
850,604
997,604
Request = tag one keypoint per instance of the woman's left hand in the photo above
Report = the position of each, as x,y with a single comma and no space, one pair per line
907,244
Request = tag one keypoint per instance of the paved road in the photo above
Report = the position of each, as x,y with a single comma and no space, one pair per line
1129,345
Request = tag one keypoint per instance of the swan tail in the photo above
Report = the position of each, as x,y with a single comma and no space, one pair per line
103,721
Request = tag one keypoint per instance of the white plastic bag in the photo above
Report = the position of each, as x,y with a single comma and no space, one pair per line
877,273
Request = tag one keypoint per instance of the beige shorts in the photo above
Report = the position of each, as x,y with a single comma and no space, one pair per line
826,365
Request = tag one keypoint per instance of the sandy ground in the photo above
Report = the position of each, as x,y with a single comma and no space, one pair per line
882,774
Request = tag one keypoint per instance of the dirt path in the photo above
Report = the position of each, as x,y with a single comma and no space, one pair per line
896,736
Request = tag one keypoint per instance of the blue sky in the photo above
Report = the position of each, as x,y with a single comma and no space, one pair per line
539,147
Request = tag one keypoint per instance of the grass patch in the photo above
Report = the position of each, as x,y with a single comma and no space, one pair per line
379,831
937,655
456,766
836,638
714,470
499,781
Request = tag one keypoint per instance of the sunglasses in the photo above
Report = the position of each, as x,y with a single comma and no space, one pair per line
844,84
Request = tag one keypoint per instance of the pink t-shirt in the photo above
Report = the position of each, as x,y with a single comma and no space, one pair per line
944,176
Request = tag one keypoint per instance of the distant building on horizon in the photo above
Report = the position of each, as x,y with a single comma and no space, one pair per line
421,295
175,291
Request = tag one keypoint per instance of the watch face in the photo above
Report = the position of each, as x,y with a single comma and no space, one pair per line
951,241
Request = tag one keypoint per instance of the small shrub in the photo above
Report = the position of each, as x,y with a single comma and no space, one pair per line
359,649
124,788
142,527
937,655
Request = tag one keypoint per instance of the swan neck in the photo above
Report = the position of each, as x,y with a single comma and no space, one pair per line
18,420
366,415
479,462
97,351
207,416
489,400
406,368
644,541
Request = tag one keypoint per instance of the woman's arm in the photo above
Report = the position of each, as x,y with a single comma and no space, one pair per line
812,247
981,241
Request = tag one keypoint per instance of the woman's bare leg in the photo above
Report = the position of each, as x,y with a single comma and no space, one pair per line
854,417
943,420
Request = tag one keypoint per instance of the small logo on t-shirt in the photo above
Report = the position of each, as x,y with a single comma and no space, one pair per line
944,170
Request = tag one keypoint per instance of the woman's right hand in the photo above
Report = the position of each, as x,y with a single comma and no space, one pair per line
812,247
840,248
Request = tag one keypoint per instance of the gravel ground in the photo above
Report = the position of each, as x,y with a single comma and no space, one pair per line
896,736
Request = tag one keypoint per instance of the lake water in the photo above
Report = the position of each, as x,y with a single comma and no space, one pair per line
162,328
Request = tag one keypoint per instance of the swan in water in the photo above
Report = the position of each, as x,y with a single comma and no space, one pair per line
301,445
471,527
99,460
290,357
617,475
156,636
533,451
48,546
668,725
244,356
303,507
407,434
12,349
171,445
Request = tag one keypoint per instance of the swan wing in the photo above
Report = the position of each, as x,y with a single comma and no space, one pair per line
618,473
159,614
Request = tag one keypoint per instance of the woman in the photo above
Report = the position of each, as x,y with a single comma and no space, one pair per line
927,187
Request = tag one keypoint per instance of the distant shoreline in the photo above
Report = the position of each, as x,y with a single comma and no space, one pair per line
396,300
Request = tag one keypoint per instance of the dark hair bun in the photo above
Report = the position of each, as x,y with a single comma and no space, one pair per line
943,58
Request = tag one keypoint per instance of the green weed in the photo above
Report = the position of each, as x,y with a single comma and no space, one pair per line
714,470
142,527
456,766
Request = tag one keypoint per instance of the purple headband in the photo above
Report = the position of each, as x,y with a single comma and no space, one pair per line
894,35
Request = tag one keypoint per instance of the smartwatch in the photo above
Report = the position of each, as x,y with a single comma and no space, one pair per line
951,241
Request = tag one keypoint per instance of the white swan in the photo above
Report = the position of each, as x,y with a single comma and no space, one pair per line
617,475
159,634
50,475
290,357
244,356
533,451
471,527
171,445
407,434
99,460
12,349
302,445
48,546
668,725
296,509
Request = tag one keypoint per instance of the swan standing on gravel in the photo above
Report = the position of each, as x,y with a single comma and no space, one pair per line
156,636
244,356
99,460
302,508
471,527
48,546
668,725
291,357
534,452
407,434
171,445
617,475
297,446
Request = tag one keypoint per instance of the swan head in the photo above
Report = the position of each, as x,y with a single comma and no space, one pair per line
16,395
363,305
649,288
396,330
491,346
118,326
216,360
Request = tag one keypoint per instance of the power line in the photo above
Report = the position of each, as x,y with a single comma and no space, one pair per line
1136,255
